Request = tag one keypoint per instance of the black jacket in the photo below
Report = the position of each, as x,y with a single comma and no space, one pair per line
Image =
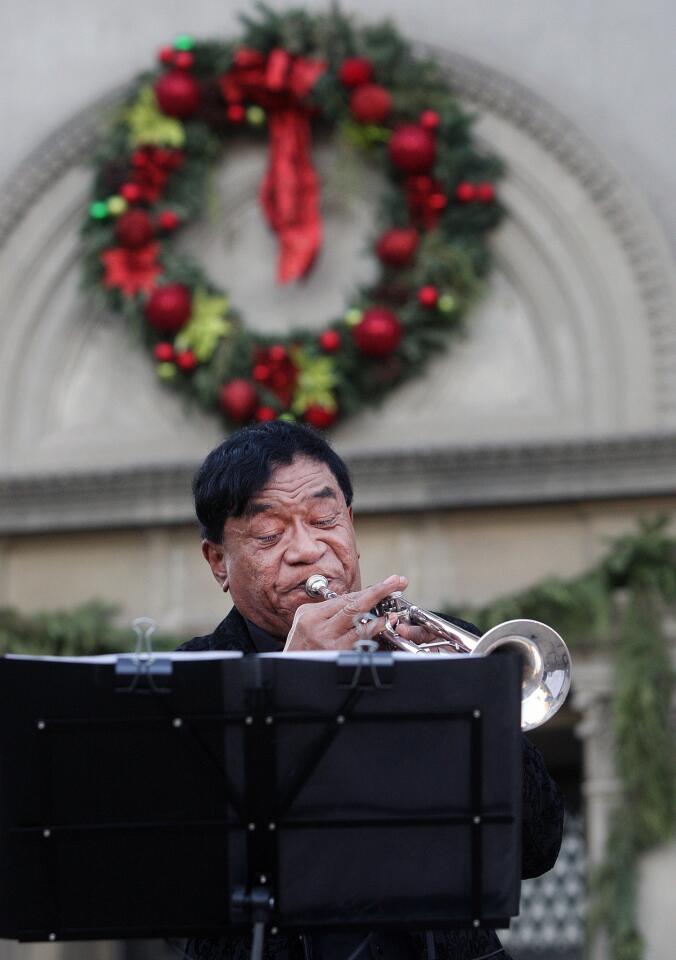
541,839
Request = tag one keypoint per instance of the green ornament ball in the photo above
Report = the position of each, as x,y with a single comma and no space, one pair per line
184,42
353,317
117,205
446,303
98,210
255,116
166,371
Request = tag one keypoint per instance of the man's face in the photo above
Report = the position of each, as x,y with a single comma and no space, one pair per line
297,525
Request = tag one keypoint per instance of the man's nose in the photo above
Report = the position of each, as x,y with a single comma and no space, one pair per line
305,547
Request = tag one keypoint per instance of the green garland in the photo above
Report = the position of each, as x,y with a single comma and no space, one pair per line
87,630
379,101
620,605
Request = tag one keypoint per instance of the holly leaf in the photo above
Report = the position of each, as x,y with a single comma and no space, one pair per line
148,125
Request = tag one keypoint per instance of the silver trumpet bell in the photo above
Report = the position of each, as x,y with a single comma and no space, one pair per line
546,660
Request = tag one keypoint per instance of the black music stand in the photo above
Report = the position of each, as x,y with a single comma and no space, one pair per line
193,795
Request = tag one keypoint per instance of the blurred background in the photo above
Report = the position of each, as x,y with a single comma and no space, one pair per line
545,434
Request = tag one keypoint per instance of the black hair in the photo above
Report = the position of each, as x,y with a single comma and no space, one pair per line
234,472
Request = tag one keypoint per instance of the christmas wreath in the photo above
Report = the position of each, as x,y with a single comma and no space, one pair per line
290,75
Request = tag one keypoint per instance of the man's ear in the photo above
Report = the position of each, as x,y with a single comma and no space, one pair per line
214,554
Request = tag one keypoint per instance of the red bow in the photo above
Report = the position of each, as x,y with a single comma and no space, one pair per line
289,193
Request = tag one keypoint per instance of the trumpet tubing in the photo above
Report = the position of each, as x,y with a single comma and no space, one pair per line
546,660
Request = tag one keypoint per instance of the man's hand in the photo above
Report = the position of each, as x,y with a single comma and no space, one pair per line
330,624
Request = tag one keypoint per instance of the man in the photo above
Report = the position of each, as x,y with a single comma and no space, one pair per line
274,503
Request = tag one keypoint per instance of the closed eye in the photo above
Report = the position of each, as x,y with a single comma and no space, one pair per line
270,538
325,521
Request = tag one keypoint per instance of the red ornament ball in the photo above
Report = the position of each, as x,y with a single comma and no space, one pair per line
485,192
177,93
236,113
355,71
168,220
320,417
370,103
163,352
186,360
168,307
131,192
133,229
397,247
277,353
166,55
329,341
466,192
412,149
263,414
378,333
237,399
261,372
428,296
429,120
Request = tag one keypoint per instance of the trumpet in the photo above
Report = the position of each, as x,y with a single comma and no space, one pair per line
546,660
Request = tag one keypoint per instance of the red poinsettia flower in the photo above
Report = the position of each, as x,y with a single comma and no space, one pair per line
131,270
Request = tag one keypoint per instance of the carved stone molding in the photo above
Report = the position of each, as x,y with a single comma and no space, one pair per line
423,479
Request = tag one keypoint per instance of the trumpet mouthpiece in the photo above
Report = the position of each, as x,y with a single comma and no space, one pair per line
316,585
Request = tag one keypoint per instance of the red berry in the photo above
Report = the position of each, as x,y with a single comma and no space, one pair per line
168,220
261,372
164,352
354,71
265,413
134,229
184,60
330,341
428,296
485,192
277,353
429,120
236,113
166,55
131,192
370,103
421,184
466,192
319,417
140,158
246,57
186,360
437,201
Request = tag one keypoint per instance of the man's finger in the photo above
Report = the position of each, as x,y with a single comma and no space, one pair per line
365,600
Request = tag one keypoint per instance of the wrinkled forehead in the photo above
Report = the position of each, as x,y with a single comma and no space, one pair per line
296,484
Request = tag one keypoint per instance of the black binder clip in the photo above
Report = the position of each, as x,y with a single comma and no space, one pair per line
143,664
365,665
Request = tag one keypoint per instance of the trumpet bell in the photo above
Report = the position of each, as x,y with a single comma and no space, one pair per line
546,666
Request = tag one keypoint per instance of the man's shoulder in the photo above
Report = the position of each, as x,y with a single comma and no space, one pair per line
230,634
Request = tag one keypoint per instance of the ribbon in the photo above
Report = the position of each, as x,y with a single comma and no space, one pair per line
290,191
